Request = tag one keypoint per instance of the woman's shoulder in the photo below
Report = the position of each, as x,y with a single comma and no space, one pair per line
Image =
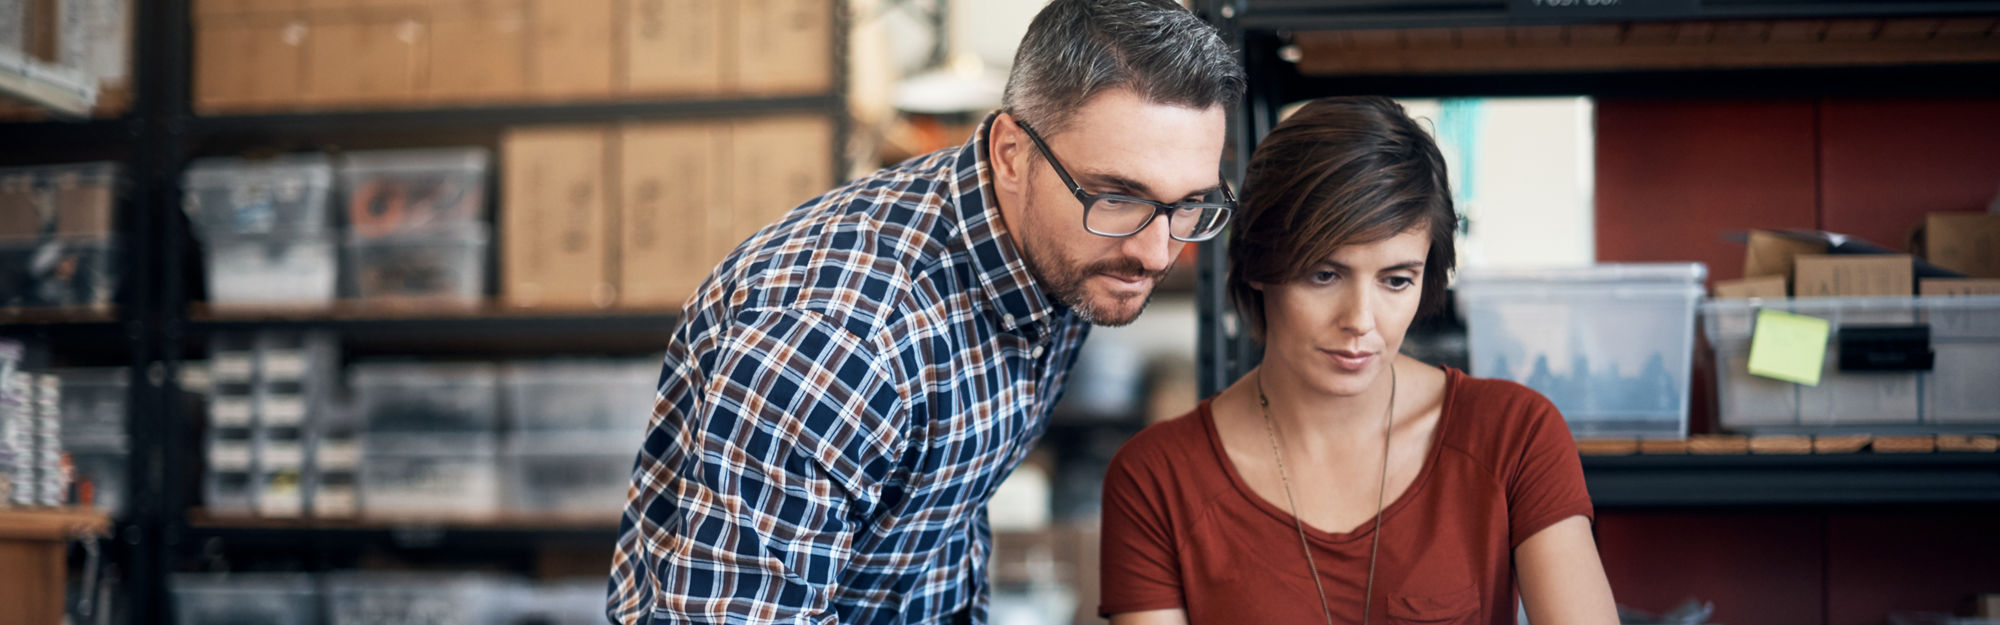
1170,450
1489,411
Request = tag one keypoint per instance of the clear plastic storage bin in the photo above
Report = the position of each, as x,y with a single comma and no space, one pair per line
571,475
438,268
386,598
293,270
456,398
244,599
93,408
612,396
1611,345
1960,393
430,476
236,197
60,272
402,192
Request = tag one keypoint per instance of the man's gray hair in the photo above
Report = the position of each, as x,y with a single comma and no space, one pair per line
1076,49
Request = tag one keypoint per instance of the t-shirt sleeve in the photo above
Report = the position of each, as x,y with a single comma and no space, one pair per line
1546,485
1140,565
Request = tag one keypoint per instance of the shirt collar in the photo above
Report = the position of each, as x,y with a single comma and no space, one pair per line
1012,295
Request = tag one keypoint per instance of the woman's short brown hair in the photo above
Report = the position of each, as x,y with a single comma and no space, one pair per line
1339,172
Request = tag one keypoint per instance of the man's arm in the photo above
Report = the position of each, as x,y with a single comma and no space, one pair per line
759,468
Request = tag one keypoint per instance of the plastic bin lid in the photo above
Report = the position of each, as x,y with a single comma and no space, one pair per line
1618,273
304,169
468,159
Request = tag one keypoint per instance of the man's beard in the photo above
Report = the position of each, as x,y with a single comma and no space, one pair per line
1066,285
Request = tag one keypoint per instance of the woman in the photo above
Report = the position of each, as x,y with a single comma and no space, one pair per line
1339,482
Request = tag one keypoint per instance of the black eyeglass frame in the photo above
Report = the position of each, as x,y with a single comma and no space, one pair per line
1227,206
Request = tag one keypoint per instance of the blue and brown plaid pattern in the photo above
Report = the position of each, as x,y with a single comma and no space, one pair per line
838,403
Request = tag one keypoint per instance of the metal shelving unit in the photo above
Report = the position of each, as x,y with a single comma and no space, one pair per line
153,324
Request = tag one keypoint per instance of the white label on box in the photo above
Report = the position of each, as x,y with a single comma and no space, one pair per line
286,504
230,412
284,411
228,456
335,501
339,456
284,366
284,456
231,367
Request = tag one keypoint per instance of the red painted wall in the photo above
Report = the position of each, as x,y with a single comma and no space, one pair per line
1672,176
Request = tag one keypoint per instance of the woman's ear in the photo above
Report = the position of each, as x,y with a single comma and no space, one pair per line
1256,286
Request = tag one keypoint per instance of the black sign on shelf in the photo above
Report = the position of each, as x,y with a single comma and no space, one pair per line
1594,10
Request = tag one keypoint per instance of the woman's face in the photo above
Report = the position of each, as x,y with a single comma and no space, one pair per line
1336,329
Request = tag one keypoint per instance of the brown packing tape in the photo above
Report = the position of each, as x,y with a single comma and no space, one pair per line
1781,445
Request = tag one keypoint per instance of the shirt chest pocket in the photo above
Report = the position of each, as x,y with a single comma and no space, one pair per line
1458,606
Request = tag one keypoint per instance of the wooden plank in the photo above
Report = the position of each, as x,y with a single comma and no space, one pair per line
1695,33
1663,447
1843,444
1965,28
1742,32
1430,38
1852,30
1781,445
59,524
1718,445
1376,39
1973,443
1905,444
1649,33
1909,28
1607,446
1595,34
1536,36
1797,31
1482,37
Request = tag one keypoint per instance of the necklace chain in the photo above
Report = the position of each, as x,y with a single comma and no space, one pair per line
1381,494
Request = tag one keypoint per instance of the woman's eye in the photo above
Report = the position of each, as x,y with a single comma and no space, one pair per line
1398,283
1323,277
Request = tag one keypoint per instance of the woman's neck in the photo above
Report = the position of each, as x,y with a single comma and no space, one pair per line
1316,421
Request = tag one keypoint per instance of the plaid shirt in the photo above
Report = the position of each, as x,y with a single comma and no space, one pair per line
840,400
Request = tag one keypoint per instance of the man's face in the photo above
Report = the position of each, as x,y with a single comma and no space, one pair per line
1116,143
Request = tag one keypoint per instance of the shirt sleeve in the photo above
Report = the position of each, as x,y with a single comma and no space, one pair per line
1546,485
768,444
1139,567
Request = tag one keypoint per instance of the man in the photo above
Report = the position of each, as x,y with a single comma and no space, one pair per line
846,390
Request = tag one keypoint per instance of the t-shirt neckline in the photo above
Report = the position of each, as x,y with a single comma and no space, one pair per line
1367,526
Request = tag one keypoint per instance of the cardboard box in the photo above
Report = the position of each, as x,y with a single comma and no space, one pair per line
1771,254
1768,287
1953,287
1968,243
249,61
672,179
784,46
229,7
1854,275
555,204
479,52
677,47
1986,606
777,164
366,57
572,45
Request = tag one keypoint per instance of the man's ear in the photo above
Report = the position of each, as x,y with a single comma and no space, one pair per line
1008,153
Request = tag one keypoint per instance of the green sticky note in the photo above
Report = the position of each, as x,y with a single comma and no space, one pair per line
1788,347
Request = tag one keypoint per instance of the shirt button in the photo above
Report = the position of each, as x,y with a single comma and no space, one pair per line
1036,352
1008,320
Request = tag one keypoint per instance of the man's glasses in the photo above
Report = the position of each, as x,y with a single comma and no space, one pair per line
1114,215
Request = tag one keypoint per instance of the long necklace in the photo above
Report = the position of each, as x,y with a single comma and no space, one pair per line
1381,493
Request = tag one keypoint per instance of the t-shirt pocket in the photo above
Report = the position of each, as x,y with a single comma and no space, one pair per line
1451,607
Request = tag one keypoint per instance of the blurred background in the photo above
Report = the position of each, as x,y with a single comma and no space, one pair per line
351,311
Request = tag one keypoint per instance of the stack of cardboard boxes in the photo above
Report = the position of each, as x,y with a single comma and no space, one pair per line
636,215
91,36
1778,265
263,55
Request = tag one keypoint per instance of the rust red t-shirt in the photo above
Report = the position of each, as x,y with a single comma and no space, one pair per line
1182,530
